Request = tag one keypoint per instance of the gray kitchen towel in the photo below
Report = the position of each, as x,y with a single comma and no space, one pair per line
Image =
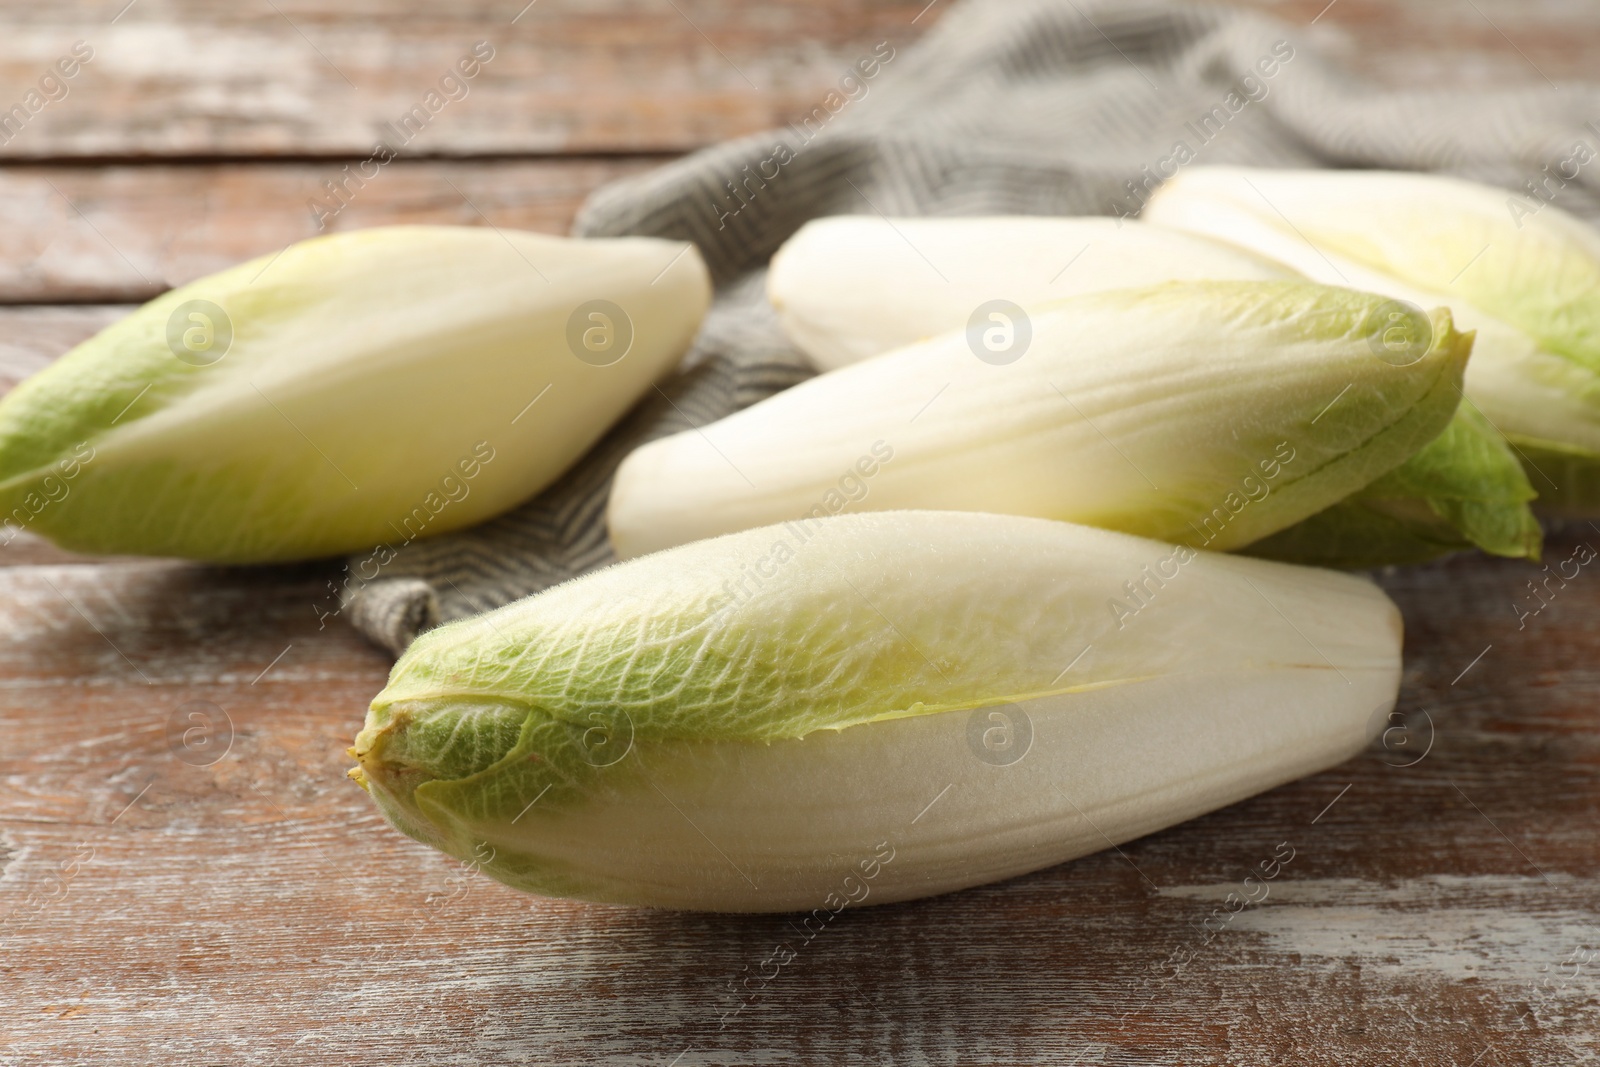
1058,107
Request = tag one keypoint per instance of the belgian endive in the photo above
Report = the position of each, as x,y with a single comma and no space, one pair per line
356,389
1464,489
853,286
1523,274
1212,413
847,287
870,708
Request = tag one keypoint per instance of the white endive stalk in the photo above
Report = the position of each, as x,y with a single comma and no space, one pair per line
1526,279
357,389
877,708
1213,413
849,287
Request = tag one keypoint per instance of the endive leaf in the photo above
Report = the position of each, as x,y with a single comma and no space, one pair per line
1463,490
359,388
1537,271
1213,413
734,723
850,287
1527,281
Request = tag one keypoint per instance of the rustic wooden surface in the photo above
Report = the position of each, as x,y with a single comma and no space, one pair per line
236,900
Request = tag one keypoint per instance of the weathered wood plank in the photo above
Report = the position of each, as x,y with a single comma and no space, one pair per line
296,77
125,233
30,337
256,910
129,233
300,77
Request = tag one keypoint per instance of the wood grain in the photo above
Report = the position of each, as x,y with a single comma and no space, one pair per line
299,77
31,337
128,233
261,913
109,233
293,77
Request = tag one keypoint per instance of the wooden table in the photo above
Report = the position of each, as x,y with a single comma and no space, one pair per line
244,903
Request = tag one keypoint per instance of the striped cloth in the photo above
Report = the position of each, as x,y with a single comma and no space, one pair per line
1061,107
